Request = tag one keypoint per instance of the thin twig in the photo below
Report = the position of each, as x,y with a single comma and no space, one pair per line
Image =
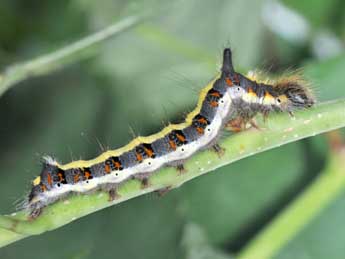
71,53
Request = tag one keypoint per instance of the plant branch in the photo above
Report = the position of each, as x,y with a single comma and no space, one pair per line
71,53
278,130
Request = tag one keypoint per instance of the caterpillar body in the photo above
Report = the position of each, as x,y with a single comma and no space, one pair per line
229,95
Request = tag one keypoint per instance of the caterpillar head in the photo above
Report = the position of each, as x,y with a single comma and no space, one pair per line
293,94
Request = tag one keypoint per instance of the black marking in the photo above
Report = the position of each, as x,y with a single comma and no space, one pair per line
213,95
143,178
218,149
115,163
149,150
227,68
200,121
181,169
87,174
48,175
36,190
60,177
178,137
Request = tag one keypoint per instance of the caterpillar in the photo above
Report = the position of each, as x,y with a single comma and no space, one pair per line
229,95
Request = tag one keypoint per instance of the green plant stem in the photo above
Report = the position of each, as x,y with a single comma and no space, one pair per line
326,188
71,53
277,130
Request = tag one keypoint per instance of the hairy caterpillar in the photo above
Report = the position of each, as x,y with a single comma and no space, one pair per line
227,96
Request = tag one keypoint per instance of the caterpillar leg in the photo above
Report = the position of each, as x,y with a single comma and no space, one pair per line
144,179
218,149
180,168
239,124
265,115
35,213
113,195
161,192
236,125
252,123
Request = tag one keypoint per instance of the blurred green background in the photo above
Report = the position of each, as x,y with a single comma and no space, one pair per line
150,75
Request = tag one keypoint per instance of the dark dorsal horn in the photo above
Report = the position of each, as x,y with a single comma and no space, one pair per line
227,68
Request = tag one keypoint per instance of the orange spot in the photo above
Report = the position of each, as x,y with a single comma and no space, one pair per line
216,94
148,151
268,95
172,144
117,165
107,169
87,174
228,81
49,179
251,92
214,103
202,121
60,177
139,157
200,130
181,138
43,187
76,178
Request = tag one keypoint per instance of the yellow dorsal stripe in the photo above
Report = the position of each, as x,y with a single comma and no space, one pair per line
148,139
